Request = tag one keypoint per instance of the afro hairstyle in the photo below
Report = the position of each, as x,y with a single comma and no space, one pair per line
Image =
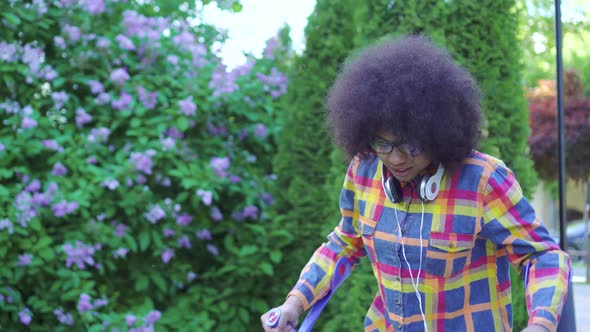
412,89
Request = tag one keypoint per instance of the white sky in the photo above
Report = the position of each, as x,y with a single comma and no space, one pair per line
258,21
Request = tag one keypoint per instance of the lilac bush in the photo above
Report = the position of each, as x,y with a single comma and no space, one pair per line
135,169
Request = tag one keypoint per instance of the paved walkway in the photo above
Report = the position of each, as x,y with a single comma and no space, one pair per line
581,292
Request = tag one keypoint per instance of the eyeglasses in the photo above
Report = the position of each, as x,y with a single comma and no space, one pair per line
384,147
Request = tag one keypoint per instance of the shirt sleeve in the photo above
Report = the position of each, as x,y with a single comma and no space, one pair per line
510,221
344,241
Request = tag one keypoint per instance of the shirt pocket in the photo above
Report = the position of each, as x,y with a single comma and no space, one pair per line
448,253
367,228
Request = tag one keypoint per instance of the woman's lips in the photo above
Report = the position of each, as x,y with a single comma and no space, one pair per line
401,172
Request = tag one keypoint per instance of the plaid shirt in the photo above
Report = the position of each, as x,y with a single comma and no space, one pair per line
479,224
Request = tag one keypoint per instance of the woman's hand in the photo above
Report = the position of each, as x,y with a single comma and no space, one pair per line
289,316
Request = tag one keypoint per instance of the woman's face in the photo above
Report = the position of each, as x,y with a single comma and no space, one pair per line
403,160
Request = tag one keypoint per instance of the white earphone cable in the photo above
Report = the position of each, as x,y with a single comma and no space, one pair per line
417,282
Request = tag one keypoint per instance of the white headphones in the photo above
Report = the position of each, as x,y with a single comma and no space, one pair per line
428,189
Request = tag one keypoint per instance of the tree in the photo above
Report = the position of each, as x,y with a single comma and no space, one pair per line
543,121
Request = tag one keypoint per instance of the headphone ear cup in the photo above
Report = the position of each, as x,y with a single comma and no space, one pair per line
396,189
430,185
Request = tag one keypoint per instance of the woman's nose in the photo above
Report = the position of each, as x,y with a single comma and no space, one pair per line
396,157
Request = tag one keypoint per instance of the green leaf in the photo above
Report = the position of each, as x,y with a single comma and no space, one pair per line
182,123
11,18
247,250
142,283
276,256
47,254
236,7
266,268
144,240
159,281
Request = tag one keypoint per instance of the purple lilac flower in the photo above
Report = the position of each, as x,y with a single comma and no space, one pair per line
152,317
34,186
110,183
267,198
276,82
191,276
242,134
130,320
213,250
206,196
120,253
216,214
24,260
216,131
48,73
250,212
220,166
168,232
25,209
59,42
167,143
143,161
28,123
204,234
222,83
64,318
73,32
51,145
59,169
172,59
269,50
25,316
154,214
80,254
123,102
260,131
93,7
95,86
235,179
148,99
174,133
124,42
2,147
184,39
59,99
184,219
99,135
167,255
64,208
103,42
120,230
102,98
32,56
84,303
119,76
187,107
6,224
82,117
100,303
184,242
8,52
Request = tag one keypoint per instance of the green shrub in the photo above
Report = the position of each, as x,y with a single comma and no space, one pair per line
135,170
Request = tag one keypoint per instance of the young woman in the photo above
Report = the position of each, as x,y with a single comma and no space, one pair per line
440,221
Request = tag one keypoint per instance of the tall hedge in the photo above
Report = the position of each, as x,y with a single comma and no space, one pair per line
482,37
302,207
134,170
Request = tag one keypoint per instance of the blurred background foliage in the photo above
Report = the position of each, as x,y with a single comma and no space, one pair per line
147,186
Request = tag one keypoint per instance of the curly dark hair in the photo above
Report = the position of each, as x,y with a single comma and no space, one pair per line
412,89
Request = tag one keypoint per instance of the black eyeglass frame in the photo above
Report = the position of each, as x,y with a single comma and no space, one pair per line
383,146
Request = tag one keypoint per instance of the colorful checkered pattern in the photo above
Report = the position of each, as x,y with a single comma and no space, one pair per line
479,224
